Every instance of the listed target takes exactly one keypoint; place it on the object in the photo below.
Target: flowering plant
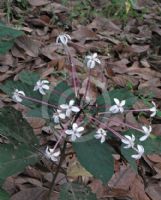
(82, 125)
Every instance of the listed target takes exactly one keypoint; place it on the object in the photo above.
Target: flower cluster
(65, 115)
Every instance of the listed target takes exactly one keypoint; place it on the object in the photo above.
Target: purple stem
(139, 110)
(74, 77)
(88, 84)
(110, 129)
(38, 101)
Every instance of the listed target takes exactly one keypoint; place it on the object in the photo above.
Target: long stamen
(139, 110)
(88, 84)
(37, 101)
(107, 127)
(74, 76)
(123, 123)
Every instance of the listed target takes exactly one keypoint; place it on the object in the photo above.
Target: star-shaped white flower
(17, 95)
(100, 134)
(63, 38)
(153, 109)
(42, 86)
(58, 115)
(140, 151)
(69, 108)
(147, 132)
(118, 107)
(75, 132)
(129, 141)
(52, 154)
(92, 60)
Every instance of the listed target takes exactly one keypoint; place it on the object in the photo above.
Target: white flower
(41, 86)
(140, 151)
(70, 108)
(58, 115)
(92, 60)
(118, 107)
(17, 95)
(51, 154)
(101, 134)
(129, 141)
(63, 38)
(153, 109)
(147, 132)
(75, 132)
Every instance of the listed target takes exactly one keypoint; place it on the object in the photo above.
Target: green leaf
(62, 93)
(75, 191)
(29, 77)
(7, 36)
(14, 126)
(14, 159)
(127, 154)
(8, 32)
(95, 158)
(4, 195)
(5, 46)
(159, 113)
(107, 98)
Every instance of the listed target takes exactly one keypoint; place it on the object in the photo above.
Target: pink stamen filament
(74, 76)
(37, 101)
(110, 129)
(123, 123)
(139, 110)
(88, 84)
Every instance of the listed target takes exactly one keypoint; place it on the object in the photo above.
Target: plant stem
(139, 110)
(38, 101)
(74, 77)
(57, 171)
(88, 84)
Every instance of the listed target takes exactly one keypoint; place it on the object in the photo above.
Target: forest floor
(128, 43)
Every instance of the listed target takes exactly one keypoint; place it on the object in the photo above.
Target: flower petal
(46, 87)
(69, 132)
(80, 129)
(68, 112)
(117, 101)
(71, 102)
(136, 156)
(42, 91)
(64, 106)
(114, 109)
(143, 138)
(75, 109)
(74, 126)
(73, 137)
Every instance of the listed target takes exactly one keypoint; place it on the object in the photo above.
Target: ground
(127, 41)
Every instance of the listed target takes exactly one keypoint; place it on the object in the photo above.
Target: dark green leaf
(14, 126)
(62, 93)
(9, 33)
(96, 158)
(74, 191)
(14, 159)
(4, 195)
(29, 77)
(7, 36)
(5, 46)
